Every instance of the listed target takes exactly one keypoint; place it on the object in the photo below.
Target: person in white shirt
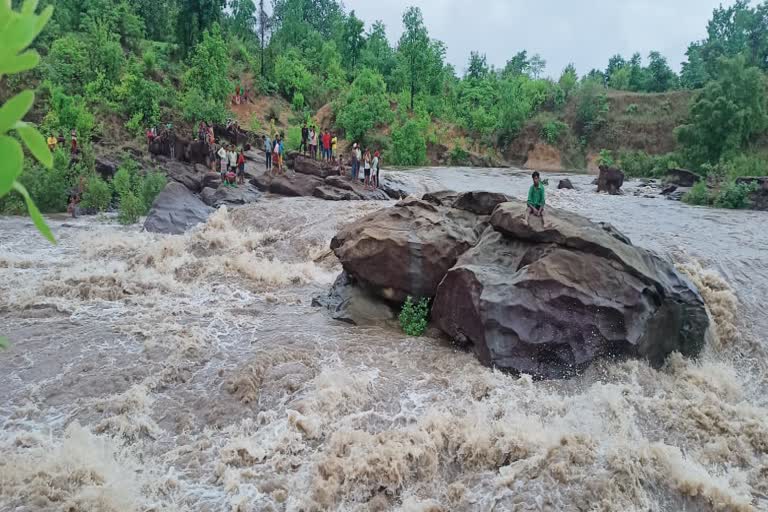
(223, 160)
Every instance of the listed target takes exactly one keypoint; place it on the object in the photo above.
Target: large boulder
(191, 176)
(300, 185)
(610, 180)
(399, 186)
(681, 177)
(441, 197)
(175, 210)
(230, 196)
(549, 300)
(406, 250)
(305, 165)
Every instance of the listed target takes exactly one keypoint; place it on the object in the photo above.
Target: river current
(191, 373)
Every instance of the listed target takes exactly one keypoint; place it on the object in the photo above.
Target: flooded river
(175, 373)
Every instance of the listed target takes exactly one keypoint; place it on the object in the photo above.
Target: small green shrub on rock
(413, 316)
(553, 130)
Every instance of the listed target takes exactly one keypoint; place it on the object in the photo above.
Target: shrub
(150, 186)
(747, 165)
(641, 164)
(592, 109)
(734, 195)
(255, 125)
(291, 74)
(553, 130)
(409, 146)
(458, 155)
(293, 138)
(97, 194)
(632, 108)
(131, 208)
(298, 102)
(195, 108)
(698, 195)
(605, 158)
(413, 316)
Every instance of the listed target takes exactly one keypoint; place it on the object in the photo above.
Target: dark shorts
(367, 173)
(241, 169)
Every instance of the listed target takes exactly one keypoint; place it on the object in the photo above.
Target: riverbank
(173, 372)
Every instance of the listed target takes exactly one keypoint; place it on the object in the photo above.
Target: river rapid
(191, 373)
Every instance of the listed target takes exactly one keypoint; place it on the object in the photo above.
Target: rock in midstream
(547, 300)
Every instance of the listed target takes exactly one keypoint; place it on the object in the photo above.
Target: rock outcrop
(230, 196)
(759, 196)
(545, 300)
(175, 210)
(332, 188)
(406, 250)
(681, 177)
(610, 180)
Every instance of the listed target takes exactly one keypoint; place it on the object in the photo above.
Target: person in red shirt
(241, 167)
(327, 145)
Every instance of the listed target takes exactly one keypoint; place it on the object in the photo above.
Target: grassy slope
(648, 127)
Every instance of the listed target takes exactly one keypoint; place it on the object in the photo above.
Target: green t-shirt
(536, 196)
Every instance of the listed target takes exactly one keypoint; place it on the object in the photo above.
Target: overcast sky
(584, 32)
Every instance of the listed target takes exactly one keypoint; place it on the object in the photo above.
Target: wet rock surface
(175, 210)
(541, 299)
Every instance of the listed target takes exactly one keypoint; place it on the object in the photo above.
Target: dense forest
(112, 68)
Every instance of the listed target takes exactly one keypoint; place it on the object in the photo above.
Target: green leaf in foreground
(35, 143)
(12, 163)
(3, 343)
(34, 213)
(14, 109)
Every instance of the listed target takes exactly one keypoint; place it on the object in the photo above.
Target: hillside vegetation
(110, 69)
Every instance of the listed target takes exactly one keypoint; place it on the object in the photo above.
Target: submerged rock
(541, 299)
(349, 302)
(610, 180)
(175, 210)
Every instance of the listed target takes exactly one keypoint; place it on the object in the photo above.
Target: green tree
(568, 79)
(517, 65)
(727, 113)
(363, 106)
(209, 66)
(413, 49)
(353, 41)
(536, 66)
(661, 78)
(243, 18)
(693, 74)
(291, 75)
(377, 53)
(619, 79)
(477, 69)
(67, 63)
(194, 18)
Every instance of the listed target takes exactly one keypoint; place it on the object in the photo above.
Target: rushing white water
(191, 373)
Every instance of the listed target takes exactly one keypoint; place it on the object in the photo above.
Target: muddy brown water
(192, 373)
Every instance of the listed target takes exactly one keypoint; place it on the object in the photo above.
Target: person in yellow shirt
(334, 140)
(52, 142)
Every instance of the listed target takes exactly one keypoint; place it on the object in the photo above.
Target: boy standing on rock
(536, 199)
